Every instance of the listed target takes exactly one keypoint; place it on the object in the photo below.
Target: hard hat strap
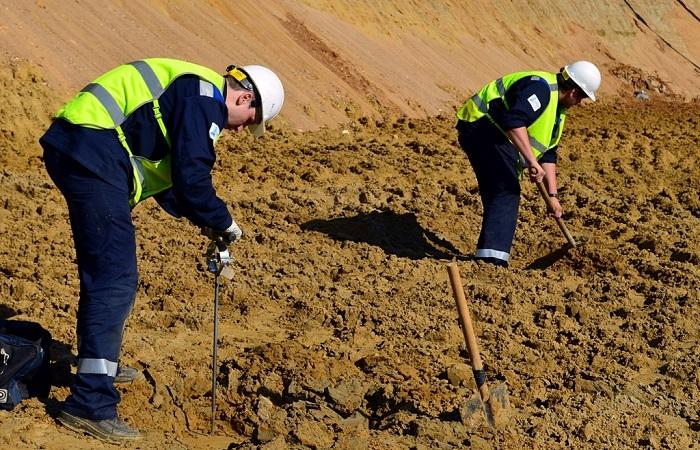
(242, 78)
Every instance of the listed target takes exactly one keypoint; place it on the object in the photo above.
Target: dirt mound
(343, 60)
(640, 80)
(339, 330)
(26, 105)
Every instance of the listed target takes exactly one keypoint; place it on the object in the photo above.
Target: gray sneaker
(127, 374)
(113, 431)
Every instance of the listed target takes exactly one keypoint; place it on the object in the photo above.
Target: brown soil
(339, 329)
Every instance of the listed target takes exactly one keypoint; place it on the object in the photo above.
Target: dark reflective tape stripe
(149, 77)
(97, 366)
(106, 99)
(500, 87)
(480, 104)
(553, 87)
(537, 145)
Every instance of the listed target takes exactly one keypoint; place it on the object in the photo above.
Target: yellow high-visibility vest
(109, 100)
(541, 130)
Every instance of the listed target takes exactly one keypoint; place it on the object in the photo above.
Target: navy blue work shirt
(193, 121)
(527, 99)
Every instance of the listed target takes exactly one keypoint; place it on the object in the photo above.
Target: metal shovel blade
(495, 408)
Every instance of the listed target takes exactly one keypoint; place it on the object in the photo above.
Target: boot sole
(130, 380)
(80, 425)
(134, 375)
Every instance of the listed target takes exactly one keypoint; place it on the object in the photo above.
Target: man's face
(573, 97)
(240, 112)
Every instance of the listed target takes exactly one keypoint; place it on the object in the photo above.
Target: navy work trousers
(103, 233)
(494, 160)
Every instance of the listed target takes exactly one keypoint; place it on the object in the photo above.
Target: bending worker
(143, 129)
(513, 124)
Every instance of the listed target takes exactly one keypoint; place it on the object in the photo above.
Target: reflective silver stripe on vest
(107, 101)
(490, 253)
(537, 145)
(480, 104)
(149, 77)
(500, 87)
(553, 87)
(136, 163)
(97, 366)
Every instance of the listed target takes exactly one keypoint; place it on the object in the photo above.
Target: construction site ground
(339, 329)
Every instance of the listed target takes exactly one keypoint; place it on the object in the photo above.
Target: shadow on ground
(396, 234)
(550, 259)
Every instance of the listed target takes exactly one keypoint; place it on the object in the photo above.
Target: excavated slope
(342, 60)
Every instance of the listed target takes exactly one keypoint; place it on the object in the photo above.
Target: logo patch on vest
(534, 102)
(206, 89)
(214, 131)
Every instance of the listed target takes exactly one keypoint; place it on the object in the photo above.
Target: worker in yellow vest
(144, 129)
(511, 125)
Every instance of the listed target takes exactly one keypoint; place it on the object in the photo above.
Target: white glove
(234, 231)
(229, 235)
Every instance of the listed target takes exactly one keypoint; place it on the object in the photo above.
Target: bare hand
(556, 210)
(535, 172)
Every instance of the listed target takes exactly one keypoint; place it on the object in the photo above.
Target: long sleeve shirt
(526, 99)
(193, 121)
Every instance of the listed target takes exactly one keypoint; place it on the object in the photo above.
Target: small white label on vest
(206, 89)
(534, 102)
(214, 131)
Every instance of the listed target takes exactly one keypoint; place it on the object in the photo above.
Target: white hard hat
(269, 95)
(585, 74)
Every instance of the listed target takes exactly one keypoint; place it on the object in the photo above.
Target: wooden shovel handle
(468, 330)
(560, 222)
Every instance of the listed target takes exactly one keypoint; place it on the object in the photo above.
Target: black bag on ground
(24, 362)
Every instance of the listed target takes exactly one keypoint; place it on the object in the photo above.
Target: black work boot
(113, 431)
(127, 374)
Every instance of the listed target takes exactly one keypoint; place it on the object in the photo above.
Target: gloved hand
(229, 235)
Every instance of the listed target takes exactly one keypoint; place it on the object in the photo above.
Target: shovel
(494, 402)
(560, 222)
